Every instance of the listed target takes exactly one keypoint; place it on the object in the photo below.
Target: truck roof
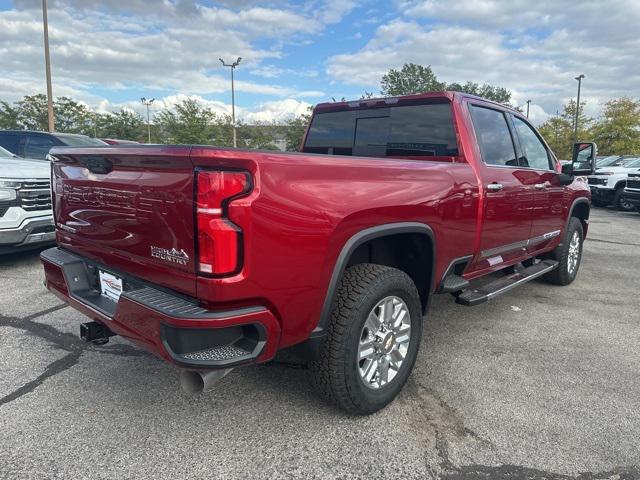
(417, 98)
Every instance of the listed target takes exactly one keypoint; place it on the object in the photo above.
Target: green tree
(295, 130)
(124, 124)
(188, 122)
(32, 112)
(497, 94)
(618, 132)
(558, 130)
(260, 135)
(8, 116)
(411, 78)
(73, 117)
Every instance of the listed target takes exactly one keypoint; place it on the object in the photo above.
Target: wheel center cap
(388, 342)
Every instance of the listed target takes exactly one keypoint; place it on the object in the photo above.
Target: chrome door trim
(491, 252)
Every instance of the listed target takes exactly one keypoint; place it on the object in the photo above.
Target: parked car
(607, 184)
(117, 141)
(608, 161)
(213, 258)
(632, 190)
(26, 219)
(36, 144)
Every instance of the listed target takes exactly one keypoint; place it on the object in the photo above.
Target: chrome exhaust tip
(196, 382)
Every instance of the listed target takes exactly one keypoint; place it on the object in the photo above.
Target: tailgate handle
(98, 164)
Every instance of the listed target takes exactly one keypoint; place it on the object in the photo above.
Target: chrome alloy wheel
(384, 342)
(574, 253)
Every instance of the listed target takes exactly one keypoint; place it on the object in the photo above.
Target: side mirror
(584, 159)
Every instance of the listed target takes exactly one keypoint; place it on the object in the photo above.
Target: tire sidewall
(574, 226)
(394, 284)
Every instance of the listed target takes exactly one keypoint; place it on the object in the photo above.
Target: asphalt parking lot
(541, 383)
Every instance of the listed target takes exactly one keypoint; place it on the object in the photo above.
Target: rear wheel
(373, 339)
(568, 254)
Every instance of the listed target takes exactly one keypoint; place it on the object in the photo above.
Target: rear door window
(494, 136)
(405, 131)
(38, 146)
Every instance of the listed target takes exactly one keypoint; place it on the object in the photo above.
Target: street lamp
(528, 102)
(232, 66)
(47, 64)
(575, 123)
(147, 103)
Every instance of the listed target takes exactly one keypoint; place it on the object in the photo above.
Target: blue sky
(109, 53)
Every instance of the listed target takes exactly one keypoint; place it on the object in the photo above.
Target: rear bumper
(164, 323)
(632, 196)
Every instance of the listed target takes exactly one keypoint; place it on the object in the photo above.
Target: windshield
(6, 153)
(80, 141)
(607, 161)
(632, 162)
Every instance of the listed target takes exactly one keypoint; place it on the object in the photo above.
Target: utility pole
(147, 103)
(47, 64)
(575, 123)
(233, 66)
(528, 102)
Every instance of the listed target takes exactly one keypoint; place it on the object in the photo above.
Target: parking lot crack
(65, 341)
(613, 243)
(52, 369)
(512, 472)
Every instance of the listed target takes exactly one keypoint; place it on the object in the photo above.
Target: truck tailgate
(129, 209)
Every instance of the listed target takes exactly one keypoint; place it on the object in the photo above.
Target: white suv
(26, 218)
(607, 185)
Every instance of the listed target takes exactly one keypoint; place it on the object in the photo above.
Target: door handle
(495, 187)
(540, 186)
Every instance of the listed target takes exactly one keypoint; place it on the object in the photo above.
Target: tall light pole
(47, 65)
(233, 66)
(575, 123)
(528, 102)
(147, 102)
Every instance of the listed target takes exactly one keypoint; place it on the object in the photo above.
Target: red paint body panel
(300, 214)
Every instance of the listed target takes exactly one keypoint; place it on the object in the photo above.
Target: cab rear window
(403, 131)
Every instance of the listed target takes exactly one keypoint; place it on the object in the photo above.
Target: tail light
(219, 239)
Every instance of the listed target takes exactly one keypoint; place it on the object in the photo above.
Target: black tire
(336, 373)
(563, 274)
(620, 202)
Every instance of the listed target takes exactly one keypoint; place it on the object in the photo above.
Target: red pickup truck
(212, 258)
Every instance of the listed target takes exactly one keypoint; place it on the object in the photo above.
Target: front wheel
(568, 254)
(372, 339)
(621, 202)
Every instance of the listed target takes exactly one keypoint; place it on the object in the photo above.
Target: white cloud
(174, 46)
(535, 50)
(277, 111)
(274, 111)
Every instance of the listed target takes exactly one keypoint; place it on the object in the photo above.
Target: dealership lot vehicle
(26, 219)
(608, 161)
(214, 258)
(118, 141)
(36, 144)
(540, 384)
(607, 184)
(632, 190)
